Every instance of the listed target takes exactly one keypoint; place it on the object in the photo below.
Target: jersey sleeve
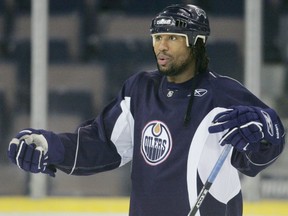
(251, 163)
(230, 92)
(103, 143)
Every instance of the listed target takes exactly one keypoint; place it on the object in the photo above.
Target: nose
(163, 45)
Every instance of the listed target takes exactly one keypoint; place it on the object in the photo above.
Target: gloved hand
(36, 151)
(247, 126)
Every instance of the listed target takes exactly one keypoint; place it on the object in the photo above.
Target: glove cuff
(56, 149)
(272, 126)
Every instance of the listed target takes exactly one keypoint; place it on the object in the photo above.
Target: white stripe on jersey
(227, 77)
(123, 132)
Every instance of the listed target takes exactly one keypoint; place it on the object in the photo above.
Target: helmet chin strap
(194, 85)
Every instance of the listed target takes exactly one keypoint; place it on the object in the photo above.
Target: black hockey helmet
(189, 20)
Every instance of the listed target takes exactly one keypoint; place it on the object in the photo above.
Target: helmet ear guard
(179, 19)
(198, 37)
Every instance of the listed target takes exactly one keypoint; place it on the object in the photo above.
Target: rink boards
(88, 206)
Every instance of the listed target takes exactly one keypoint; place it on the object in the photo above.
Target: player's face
(174, 57)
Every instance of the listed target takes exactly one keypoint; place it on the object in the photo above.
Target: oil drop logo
(156, 143)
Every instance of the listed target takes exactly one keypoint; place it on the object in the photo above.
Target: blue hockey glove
(247, 126)
(36, 151)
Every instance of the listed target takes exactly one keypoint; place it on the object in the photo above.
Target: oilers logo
(156, 142)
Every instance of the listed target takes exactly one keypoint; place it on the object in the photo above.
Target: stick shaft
(219, 163)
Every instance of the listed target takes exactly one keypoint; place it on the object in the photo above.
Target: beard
(175, 69)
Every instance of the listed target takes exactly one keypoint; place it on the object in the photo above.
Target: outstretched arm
(98, 145)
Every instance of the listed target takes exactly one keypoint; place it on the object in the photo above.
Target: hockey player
(172, 123)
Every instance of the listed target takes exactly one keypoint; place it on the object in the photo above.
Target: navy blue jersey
(170, 161)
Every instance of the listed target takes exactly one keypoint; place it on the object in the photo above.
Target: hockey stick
(210, 179)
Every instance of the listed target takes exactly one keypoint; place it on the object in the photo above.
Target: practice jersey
(170, 160)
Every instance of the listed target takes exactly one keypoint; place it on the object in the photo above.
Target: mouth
(163, 59)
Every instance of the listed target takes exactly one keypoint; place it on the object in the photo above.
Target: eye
(157, 37)
(172, 37)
